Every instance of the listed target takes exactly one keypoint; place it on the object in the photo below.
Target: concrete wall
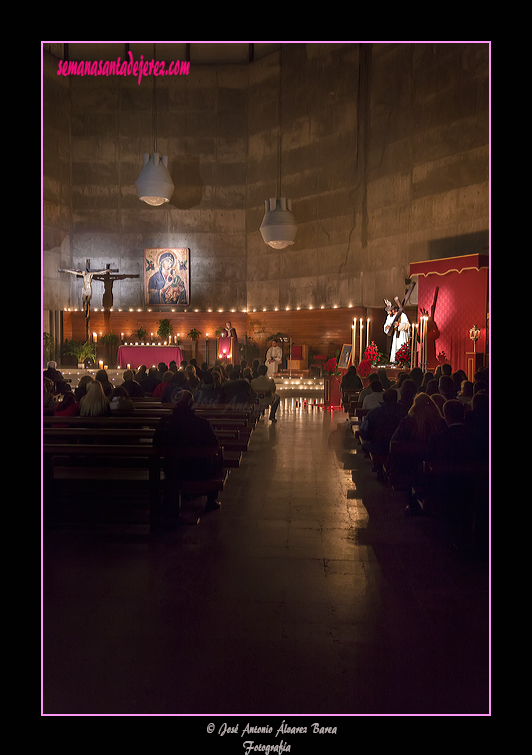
(384, 153)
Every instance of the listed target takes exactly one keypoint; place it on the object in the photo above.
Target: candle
(361, 333)
(412, 331)
(129, 366)
(367, 332)
(354, 339)
(94, 337)
(100, 364)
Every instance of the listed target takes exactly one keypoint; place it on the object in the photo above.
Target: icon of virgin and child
(166, 273)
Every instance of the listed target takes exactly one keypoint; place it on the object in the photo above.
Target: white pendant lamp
(278, 228)
(154, 184)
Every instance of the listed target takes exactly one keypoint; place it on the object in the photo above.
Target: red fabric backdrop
(462, 302)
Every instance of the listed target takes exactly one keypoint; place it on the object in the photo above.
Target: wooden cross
(87, 276)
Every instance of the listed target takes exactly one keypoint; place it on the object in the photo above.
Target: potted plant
(194, 335)
(140, 333)
(48, 346)
(110, 343)
(83, 351)
(165, 329)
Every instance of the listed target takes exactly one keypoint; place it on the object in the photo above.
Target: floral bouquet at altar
(364, 368)
(402, 355)
(373, 355)
(331, 367)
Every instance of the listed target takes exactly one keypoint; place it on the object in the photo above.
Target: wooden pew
(112, 430)
(95, 460)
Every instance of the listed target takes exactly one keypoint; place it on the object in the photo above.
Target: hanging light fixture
(278, 228)
(154, 184)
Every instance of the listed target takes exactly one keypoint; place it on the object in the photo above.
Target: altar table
(135, 356)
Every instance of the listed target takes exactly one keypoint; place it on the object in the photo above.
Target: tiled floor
(309, 592)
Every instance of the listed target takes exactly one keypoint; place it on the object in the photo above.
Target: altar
(150, 356)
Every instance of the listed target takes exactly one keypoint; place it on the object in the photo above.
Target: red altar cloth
(147, 355)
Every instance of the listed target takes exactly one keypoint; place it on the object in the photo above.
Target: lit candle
(367, 332)
(129, 366)
(361, 334)
(354, 339)
(100, 364)
(95, 337)
(412, 347)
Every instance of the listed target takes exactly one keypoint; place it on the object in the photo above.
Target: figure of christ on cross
(86, 293)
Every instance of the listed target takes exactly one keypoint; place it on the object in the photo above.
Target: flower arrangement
(364, 368)
(331, 367)
(373, 355)
(402, 355)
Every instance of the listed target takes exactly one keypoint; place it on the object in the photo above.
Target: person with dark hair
(132, 387)
(408, 391)
(207, 392)
(101, 377)
(383, 377)
(446, 388)
(427, 377)
(120, 402)
(416, 375)
(178, 382)
(184, 429)
(379, 425)
(478, 418)
(351, 381)
(236, 389)
(149, 383)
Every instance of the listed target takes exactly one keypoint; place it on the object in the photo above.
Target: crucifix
(107, 279)
(87, 276)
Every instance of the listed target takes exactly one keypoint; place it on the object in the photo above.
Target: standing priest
(274, 356)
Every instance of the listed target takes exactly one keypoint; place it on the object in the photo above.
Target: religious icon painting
(167, 277)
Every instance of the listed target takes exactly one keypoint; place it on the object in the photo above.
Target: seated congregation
(428, 435)
(193, 424)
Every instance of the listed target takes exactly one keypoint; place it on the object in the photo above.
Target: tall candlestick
(361, 333)
(367, 332)
(354, 340)
(412, 330)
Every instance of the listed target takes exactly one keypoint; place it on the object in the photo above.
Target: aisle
(302, 595)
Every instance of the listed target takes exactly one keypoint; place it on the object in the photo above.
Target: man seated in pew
(133, 387)
(236, 390)
(264, 383)
(207, 392)
(184, 429)
(379, 425)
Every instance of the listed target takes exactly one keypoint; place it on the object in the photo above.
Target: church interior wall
(384, 156)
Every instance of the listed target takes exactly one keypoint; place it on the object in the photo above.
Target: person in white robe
(400, 333)
(274, 356)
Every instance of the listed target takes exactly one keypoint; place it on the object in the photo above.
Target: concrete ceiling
(197, 52)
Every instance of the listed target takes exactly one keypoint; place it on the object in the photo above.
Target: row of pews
(465, 510)
(83, 457)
